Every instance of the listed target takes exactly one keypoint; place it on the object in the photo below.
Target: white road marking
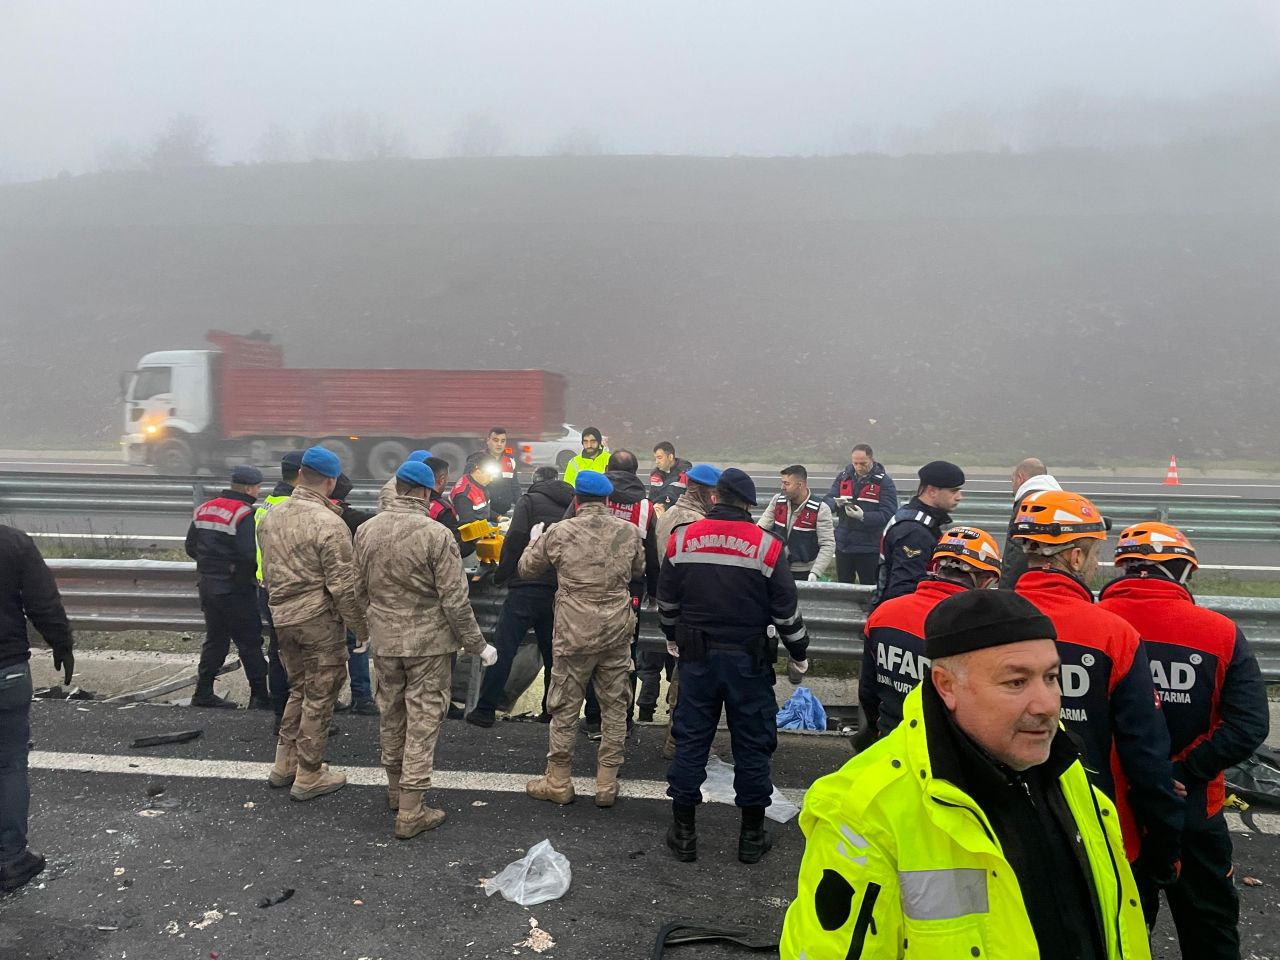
(481, 782)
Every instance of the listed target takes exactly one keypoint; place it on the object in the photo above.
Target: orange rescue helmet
(1058, 517)
(1154, 542)
(969, 545)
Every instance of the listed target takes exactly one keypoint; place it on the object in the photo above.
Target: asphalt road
(179, 874)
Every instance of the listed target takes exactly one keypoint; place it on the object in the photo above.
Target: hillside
(1090, 306)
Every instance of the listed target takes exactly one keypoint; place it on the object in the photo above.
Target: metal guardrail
(114, 595)
(1216, 518)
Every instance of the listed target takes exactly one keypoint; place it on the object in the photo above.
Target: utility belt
(695, 644)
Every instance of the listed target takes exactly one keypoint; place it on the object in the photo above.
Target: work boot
(754, 840)
(316, 783)
(555, 785)
(682, 835)
(393, 789)
(205, 697)
(259, 698)
(285, 769)
(606, 786)
(365, 708)
(414, 818)
(481, 718)
(25, 868)
(646, 714)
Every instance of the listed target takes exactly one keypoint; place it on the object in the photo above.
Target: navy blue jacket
(27, 590)
(907, 548)
(876, 494)
(544, 503)
(221, 540)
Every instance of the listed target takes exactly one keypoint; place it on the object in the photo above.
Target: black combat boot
(754, 840)
(259, 698)
(205, 697)
(682, 835)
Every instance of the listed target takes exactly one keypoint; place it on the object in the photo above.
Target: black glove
(65, 661)
(1157, 864)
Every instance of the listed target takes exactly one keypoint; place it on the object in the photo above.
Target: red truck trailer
(239, 403)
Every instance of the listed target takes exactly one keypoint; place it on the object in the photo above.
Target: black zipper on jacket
(1115, 869)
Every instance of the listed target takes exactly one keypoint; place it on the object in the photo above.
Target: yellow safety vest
(908, 864)
(597, 463)
(258, 514)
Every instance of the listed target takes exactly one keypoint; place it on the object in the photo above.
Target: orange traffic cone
(1171, 478)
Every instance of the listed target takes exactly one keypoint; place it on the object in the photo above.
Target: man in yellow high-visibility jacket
(594, 455)
(971, 830)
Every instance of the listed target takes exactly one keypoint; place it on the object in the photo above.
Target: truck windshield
(152, 381)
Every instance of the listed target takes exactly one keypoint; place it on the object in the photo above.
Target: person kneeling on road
(595, 556)
(410, 585)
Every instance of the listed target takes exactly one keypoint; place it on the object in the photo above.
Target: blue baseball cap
(592, 484)
(417, 473)
(704, 474)
(738, 483)
(246, 474)
(322, 461)
(418, 456)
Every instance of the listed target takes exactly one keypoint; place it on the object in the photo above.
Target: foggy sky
(721, 78)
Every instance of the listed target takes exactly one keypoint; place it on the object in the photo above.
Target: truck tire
(454, 453)
(384, 457)
(175, 458)
(343, 451)
(563, 458)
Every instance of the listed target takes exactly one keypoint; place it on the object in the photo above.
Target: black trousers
(864, 566)
(1204, 903)
(277, 679)
(529, 607)
(231, 617)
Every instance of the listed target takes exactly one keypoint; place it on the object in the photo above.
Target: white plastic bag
(541, 875)
(718, 788)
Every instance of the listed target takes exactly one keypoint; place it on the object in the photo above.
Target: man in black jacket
(27, 590)
(222, 543)
(668, 479)
(909, 539)
(530, 604)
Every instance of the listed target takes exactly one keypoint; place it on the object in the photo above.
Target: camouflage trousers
(314, 655)
(413, 698)
(609, 672)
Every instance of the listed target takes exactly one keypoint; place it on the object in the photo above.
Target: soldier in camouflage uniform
(306, 569)
(388, 491)
(595, 556)
(410, 584)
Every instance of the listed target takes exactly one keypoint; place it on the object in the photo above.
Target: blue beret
(592, 484)
(705, 474)
(417, 473)
(738, 483)
(940, 473)
(418, 456)
(322, 461)
(292, 459)
(246, 474)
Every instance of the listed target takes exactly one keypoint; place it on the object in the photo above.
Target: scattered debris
(113, 831)
(160, 739)
(209, 918)
(636, 854)
(118, 872)
(1251, 882)
(539, 941)
(357, 903)
(155, 789)
(106, 929)
(478, 803)
(58, 693)
(150, 812)
(264, 902)
(249, 805)
(171, 927)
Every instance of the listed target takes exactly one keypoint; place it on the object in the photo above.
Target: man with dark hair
(470, 495)
(221, 541)
(530, 603)
(277, 679)
(440, 509)
(804, 524)
(668, 478)
(594, 455)
(862, 498)
(504, 490)
(909, 539)
(30, 593)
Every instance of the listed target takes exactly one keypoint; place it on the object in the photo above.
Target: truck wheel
(452, 452)
(384, 457)
(174, 458)
(342, 450)
(563, 458)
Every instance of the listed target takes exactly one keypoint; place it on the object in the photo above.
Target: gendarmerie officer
(909, 539)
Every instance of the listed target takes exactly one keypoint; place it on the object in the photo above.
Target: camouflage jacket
(596, 556)
(306, 562)
(410, 584)
(685, 510)
(387, 494)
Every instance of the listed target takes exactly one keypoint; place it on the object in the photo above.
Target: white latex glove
(799, 666)
(504, 524)
(489, 655)
(536, 531)
(362, 646)
(673, 649)
(813, 577)
(853, 511)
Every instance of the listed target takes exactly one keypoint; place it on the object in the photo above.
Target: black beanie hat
(977, 619)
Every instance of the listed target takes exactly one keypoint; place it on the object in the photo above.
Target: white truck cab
(170, 395)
